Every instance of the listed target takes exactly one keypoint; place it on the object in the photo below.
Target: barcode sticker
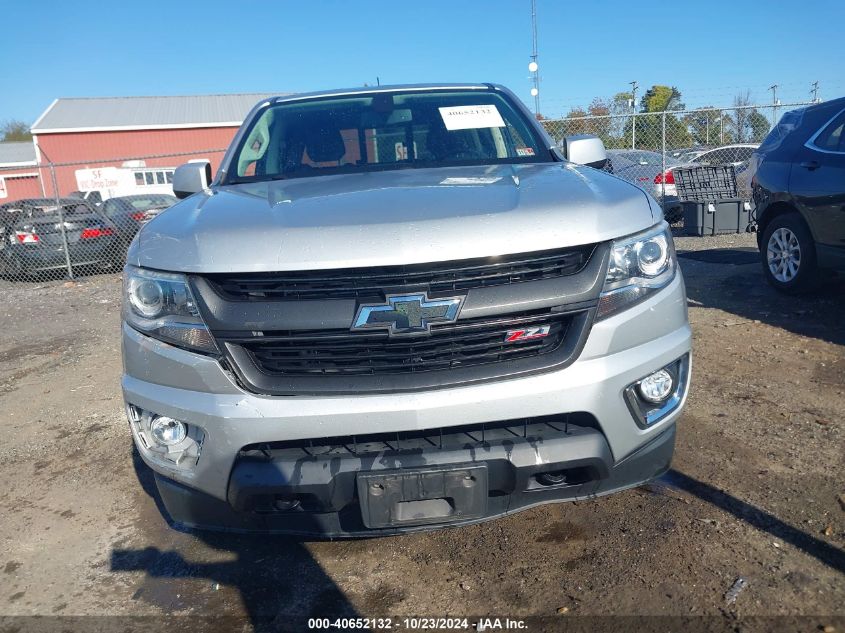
(471, 117)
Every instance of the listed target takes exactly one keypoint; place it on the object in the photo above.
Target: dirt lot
(756, 492)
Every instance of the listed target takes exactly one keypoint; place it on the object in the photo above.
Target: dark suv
(798, 192)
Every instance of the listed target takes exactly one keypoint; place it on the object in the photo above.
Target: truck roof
(387, 88)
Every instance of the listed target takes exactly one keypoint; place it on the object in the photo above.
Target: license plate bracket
(423, 496)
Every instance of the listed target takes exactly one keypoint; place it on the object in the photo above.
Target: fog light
(167, 431)
(283, 505)
(656, 387)
(553, 478)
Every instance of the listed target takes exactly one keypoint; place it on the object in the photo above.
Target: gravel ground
(746, 532)
(709, 242)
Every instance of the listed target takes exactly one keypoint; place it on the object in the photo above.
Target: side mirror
(585, 149)
(191, 178)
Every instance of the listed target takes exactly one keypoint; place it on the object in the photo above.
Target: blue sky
(710, 50)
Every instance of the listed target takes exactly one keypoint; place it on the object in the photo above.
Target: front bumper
(198, 390)
(512, 465)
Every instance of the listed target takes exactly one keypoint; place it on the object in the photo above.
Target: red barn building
(159, 132)
(18, 175)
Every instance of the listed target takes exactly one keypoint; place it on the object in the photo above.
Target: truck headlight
(639, 266)
(161, 305)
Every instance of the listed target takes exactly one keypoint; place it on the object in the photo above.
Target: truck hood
(391, 217)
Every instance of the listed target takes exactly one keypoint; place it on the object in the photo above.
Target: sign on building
(99, 179)
(3, 191)
(126, 180)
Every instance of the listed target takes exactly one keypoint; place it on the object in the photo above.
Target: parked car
(642, 167)
(31, 240)
(94, 197)
(130, 213)
(798, 196)
(686, 154)
(737, 155)
(399, 309)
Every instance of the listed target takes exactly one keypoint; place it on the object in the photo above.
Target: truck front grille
(466, 343)
(354, 283)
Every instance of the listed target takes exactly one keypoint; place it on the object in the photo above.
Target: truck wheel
(789, 255)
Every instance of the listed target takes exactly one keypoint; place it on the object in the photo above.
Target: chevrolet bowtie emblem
(407, 313)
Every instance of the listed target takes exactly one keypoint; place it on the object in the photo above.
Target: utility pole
(815, 91)
(634, 86)
(774, 89)
(533, 67)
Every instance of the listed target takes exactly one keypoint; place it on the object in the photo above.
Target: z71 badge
(527, 334)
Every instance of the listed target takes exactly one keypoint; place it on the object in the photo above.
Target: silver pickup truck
(397, 309)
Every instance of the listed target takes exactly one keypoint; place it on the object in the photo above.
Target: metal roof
(12, 154)
(89, 114)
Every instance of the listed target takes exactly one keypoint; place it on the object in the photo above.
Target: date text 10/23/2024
(420, 623)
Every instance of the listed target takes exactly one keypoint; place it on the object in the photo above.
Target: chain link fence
(72, 219)
(645, 148)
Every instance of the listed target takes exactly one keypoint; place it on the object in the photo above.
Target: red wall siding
(103, 149)
(17, 187)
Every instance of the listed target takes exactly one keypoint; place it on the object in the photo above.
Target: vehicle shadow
(824, 552)
(275, 578)
(742, 290)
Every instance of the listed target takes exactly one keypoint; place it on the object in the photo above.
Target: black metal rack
(710, 201)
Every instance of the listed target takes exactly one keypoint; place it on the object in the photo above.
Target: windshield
(384, 131)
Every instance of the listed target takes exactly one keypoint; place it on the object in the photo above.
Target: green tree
(574, 122)
(759, 125)
(726, 129)
(601, 124)
(649, 126)
(703, 126)
(13, 130)
(661, 98)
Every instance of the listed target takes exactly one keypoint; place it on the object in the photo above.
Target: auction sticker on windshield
(471, 117)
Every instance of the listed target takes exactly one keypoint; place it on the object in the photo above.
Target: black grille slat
(385, 343)
(458, 345)
(380, 356)
(358, 368)
(465, 436)
(355, 283)
(376, 352)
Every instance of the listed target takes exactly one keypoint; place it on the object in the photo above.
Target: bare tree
(740, 122)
